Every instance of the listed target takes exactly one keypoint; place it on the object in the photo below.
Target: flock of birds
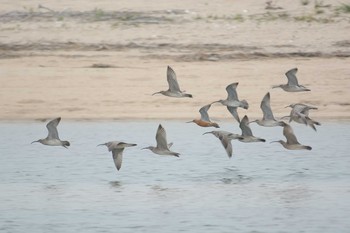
(299, 114)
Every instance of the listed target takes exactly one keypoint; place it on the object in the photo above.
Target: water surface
(262, 188)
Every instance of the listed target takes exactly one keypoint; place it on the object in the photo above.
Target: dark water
(263, 188)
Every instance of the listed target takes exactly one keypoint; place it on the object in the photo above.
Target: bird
(300, 114)
(268, 119)
(292, 142)
(162, 147)
(292, 85)
(205, 120)
(117, 149)
(174, 88)
(232, 102)
(52, 138)
(225, 139)
(247, 132)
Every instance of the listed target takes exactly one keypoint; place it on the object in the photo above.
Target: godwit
(232, 102)
(52, 138)
(300, 114)
(292, 142)
(225, 139)
(162, 147)
(117, 149)
(174, 88)
(292, 85)
(268, 119)
(205, 120)
(247, 132)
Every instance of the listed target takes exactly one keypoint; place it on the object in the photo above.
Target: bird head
(244, 104)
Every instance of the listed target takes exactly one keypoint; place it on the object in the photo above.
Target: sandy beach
(103, 60)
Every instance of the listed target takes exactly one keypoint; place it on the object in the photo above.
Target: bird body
(162, 147)
(268, 119)
(205, 120)
(292, 142)
(232, 102)
(247, 135)
(292, 85)
(52, 138)
(174, 88)
(117, 149)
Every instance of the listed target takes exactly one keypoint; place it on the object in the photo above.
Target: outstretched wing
(226, 142)
(244, 125)
(231, 91)
(266, 108)
(52, 128)
(172, 81)
(118, 157)
(161, 138)
(289, 134)
(204, 113)
(234, 113)
(292, 79)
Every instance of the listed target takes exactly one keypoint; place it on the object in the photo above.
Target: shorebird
(232, 102)
(117, 149)
(292, 85)
(205, 120)
(300, 114)
(225, 139)
(292, 142)
(268, 119)
(247, 132)
(52, 138)
(174, 88)
(162, 147)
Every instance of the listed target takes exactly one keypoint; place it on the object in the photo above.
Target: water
(263, 188)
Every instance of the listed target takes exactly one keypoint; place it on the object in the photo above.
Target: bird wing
(204, 113)
(289, 134)
(161, 138)
(231, 91)
(244, 125)
(292, 79)
(172, 81)
(234, 113)
(266, 108)
(226, 142)
(118, 157)
(52, 128)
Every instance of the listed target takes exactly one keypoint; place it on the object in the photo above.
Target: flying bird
(292, 85)
(292, 142)
(225, 139)
(300, 114)
(232, 102)
(174, 88)
(268, 119)
(247, 135)
(52, 138)
(205, 120)
(117, 149)
(162, 147)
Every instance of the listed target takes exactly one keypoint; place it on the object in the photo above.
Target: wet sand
(51, 60)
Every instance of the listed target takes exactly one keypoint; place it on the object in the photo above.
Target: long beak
(144, 148)
(103, 144)
(252, 121)
(206, 133)
(215, 102)
(284, 117)
(189, 121)
(34, 141)
(273, 141)
(156, 93)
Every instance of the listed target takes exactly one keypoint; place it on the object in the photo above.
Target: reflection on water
(262, 188)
